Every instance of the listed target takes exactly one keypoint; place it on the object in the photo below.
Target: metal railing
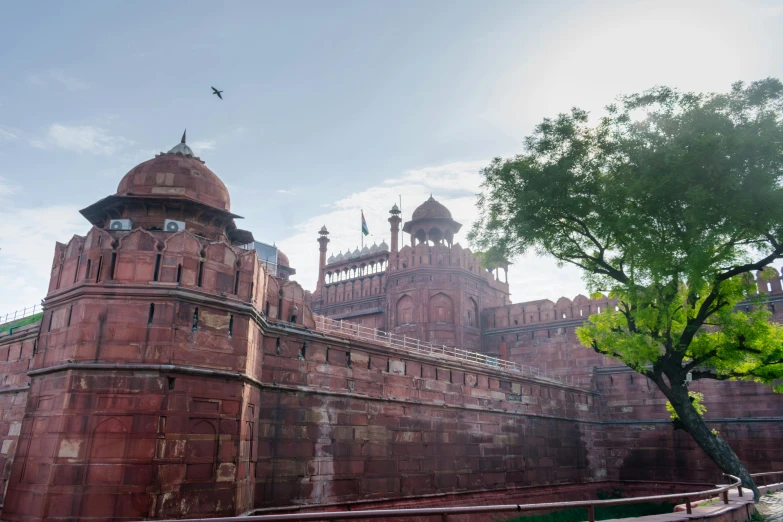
(20, 314)
(413, 345)
(445, 512)
(764, 478)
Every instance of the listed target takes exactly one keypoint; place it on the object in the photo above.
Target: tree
(671, 202)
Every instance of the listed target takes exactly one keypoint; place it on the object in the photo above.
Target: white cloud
(7, 135)
(60, 77)
(198, 146)
(455, 185)
(7, 188)
(284, 191)
(26, 248)
(82, 139)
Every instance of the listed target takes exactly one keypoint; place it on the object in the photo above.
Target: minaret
(322, 241)
(395, 227)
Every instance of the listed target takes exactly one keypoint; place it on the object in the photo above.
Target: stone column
(322, 241)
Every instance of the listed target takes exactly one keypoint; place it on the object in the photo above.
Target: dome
(365, 251)
(323, 231)
(330, 260)
(339, 256)
(431, 209)
(383, 247)
(355, 253)
(282, 259)
(373, 248)
(177, 173)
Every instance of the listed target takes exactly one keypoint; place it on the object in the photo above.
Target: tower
(438, 289)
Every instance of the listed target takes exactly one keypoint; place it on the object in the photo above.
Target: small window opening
(179, 273)
(769, 285)
(89, 267)
(195, 320)
(277, 346)
(236, 283)
(348, 359)
(252, 287)
(404, 265)
(580, 312)
(35, 346)
(200, 272)
(76, 272)
(516, 322)
(171, 381)
(49, 328)
(70, 312)
(151, 314)
(230, 324)
(280, 306)
(156, 275)
(113, 265)
(303, 351)
(266, 308)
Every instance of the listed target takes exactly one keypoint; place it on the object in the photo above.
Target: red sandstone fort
(178, 371)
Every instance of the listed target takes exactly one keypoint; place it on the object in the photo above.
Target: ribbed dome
(373, 248)
(330, 260)
(431, 209)
(383, 247)
(339, 256)
(365, 251)
(355, 253)
(176, 173)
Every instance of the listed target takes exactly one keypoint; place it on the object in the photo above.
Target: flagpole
(361, 232)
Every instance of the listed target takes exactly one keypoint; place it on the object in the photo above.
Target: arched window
(405, 310)
(441, 309)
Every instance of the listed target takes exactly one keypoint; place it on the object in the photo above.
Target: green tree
(671, 203)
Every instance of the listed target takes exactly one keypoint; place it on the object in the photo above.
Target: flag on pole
(365, 230)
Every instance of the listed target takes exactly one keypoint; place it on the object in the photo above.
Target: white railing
(412, 345)
(20, 314)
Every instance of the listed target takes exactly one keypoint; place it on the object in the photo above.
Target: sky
(329, 107)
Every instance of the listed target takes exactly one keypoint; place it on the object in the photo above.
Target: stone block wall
(342, 422)
(127, 445)
(17, 348)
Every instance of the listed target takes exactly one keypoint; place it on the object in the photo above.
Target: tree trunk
(716, 448)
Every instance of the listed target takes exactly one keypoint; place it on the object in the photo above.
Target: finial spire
(183, 136)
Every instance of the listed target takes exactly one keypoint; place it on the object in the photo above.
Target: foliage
(601, 513)
(21, 322)
(670, 203)
(697, 401)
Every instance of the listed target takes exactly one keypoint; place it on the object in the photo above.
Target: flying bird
(215, 91)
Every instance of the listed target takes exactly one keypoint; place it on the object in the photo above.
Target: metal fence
(444, 513)
(413, 345)
(20, 314)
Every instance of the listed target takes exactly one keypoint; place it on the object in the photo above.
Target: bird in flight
(215, 91)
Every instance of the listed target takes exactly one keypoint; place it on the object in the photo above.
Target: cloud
(6, 188)
(59, 77)
(26, 249)
(453, 184)
(7, 135)
(198, 146)
(82, 139)
(284, 191)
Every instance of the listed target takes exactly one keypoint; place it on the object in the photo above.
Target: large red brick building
(178, 372)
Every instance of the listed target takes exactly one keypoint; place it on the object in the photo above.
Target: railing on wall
(413, 345)
(446, 512)
(20, 314)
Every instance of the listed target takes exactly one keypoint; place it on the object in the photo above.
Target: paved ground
(771, 506)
